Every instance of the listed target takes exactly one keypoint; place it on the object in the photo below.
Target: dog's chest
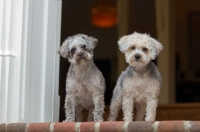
(137, 81)
(139, 87)
(82, 89)
(83, 94)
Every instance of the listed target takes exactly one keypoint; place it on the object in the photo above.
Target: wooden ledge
(117, 126)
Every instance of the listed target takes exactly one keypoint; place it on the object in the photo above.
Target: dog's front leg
(127, 107)
(141, 111)
(151, 109)
(98, 107)
(90, 114)
(70, 108)
(78, 113)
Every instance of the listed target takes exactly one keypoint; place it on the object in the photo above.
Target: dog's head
(78, 49)
(139, 49)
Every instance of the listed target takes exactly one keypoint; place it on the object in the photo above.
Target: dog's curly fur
(140, 83)
(85, 84)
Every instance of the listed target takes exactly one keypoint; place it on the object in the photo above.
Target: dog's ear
(123, 43)
(156, 48)
(94, 41)
(64, 49)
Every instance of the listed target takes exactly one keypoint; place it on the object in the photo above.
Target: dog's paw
(148, 118)
(98, 119)
(111, 119)
(69, 120)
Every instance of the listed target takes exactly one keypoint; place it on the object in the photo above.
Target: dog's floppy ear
(94, 41)
(156, 48)
(123, 43)
(64, 49)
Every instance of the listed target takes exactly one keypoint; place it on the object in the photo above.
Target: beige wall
(181, 15)
(166, 60)
(172, 31)
(122, 30)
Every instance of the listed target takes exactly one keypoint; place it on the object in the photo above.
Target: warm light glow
(104, 15)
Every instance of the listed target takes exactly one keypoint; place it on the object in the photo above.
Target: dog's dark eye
(73, 50)
(133, 48)
(83, 47)
(144, 49)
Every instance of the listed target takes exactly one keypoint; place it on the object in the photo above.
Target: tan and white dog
(139, 85)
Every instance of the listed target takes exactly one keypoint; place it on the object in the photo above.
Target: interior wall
(166, 59)
(187, 34)
(182, 31)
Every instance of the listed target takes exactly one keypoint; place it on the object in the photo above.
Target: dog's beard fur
(140, 64)
(81, 60)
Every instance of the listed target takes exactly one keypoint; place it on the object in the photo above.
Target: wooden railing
(119, 126)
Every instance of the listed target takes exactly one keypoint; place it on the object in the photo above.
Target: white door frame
(29, 64)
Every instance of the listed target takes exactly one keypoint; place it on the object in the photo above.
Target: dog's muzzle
(81, 56)
(137, 56)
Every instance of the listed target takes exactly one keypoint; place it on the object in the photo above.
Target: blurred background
(175, 23)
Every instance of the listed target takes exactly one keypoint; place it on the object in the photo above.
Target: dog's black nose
(80, 54)
(137, 56)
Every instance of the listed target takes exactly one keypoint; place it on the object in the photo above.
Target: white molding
(57, 62)
(45, 39)
(29, 65)
(7, 53)
(10, 57)
(25, 61)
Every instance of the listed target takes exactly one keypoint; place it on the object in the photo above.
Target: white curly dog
(139, 85)
(85, 84)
